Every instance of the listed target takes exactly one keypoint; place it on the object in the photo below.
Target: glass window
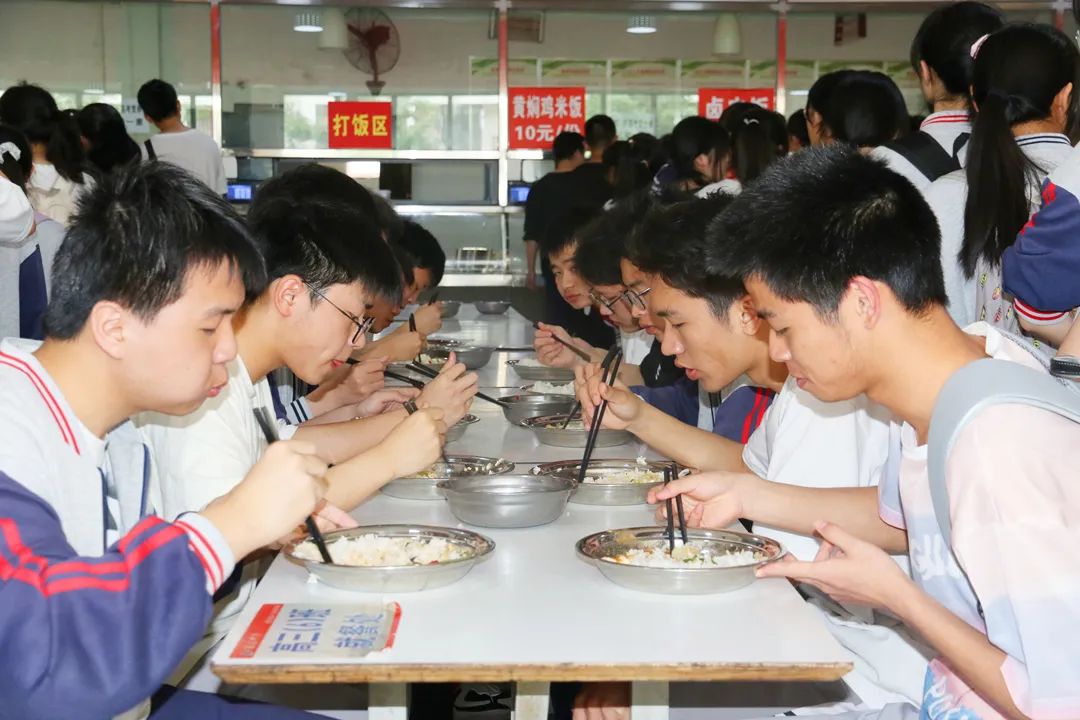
(421, 122)
(475, 122)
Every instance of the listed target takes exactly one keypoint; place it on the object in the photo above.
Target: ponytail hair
(16, 159)
(33, 110)
(1018, 72)
(759, 140)
(694, 136)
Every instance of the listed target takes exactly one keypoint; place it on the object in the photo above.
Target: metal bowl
(507, 501)
(450, 308)
(530, 372)
(472, 356)
(436, 343)
(423, 488)
(492, 307)
(601, 493)
(455, 431)
(398, 578)
(531, 388)
(522, 407)
(572, 437)
(676, 581)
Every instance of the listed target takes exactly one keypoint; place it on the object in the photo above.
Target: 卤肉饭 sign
(712, 102)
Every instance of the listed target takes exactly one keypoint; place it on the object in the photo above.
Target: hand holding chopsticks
(430, 373)
(574, 349)
(604, 365)
(671, 472)
(269, 430)
(611, 370)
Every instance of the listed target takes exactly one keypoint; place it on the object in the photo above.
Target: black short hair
(321, 239)
(695, 136)
(604, 240)
(386, 217)
(134, 238)
(796, 127)
(599, 131)
(819, 218)
(567, 144)
(866, 109)
(944, 41)
(424, 249)
(672, 242)
(563, 230)
(158, 99)
(820, 94)
(314, 180)
(406, 265)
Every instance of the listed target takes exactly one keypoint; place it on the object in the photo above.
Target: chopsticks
(269, 430)
(433, 299)
(576, 350)
(611, 371)
(428, 372)
(412, 322)
(671, 472)
(603, 369)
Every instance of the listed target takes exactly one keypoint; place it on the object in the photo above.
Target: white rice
(573, 425)
(547, 388)
(627, 477)
(692, 555)
(380, 551)
(530, 362)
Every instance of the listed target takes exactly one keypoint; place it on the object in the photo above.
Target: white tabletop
(509, 330)
(535, 611)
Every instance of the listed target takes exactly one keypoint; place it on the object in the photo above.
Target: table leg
(388, 701)
(649, 701)
(531, 701)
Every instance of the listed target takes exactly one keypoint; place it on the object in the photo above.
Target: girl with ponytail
(1023, 99)
(54, 137)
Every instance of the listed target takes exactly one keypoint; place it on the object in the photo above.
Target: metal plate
(507, 501)
(604, 493)
(681, 581)
(423, 488)
(572, 438)
(551, 374)
(402, 578)
(523, 407)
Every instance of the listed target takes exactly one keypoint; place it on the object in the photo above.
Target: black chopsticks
(610, 370)
(269, 430)
(404, 378)
(576, 350)
(428, 372)
(603, 369)
(412, 322)
(433, 299)
(671, 472)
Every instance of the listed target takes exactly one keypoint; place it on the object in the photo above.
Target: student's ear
(286, 292)
(1059, 109)
(864, 297)
(746, 318)
(108, 322)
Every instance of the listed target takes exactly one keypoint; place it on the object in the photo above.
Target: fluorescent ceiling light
(641, 24)
(308, 22)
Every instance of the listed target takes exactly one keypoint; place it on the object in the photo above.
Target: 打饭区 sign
(367, 125)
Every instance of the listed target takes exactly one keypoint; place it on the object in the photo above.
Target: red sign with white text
(367, 125)
(538, 114)
(712, 102)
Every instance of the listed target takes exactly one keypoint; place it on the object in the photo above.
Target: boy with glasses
(324, 261)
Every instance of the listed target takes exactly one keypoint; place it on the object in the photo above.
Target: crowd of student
(807, 310)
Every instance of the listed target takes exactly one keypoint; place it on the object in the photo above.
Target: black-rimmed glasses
(363, 324)
(636, 299)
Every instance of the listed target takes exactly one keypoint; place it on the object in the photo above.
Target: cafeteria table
(533, 612)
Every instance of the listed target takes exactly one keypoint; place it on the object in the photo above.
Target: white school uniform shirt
(731, 186)
(194, 151)
(54, 195)
(203, 456)
(635, 346)
(944, 127)
(805, 441)
(981, 298)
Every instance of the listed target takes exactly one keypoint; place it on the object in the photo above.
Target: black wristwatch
(410, 406)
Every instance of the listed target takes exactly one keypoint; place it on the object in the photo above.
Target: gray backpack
(971, 389)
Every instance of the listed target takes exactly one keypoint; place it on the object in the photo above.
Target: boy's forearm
(338, 442)
(354, 481)
(630, 375)
(688, 445)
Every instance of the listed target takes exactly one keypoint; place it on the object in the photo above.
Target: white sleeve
(198, 458)
(947, 197)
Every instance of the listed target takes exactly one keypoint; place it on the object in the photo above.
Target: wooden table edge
(568, 672)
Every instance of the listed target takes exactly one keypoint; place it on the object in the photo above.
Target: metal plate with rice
(548, 431)
(540, 372)
(423, 486)
(396, 578)
(595, 491)
(679, 580)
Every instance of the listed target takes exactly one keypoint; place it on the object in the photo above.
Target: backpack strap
(924, 152)
(150, 150)
(969, 391)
